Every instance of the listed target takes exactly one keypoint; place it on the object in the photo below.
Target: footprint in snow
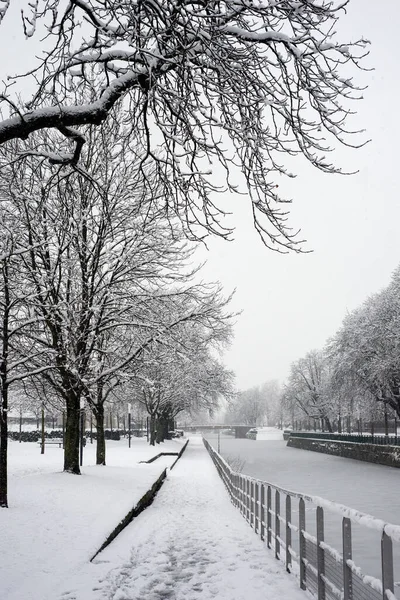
(120, 595)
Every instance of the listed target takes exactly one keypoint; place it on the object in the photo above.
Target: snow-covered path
(191, 544)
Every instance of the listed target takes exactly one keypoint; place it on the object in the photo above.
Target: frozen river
(374, 489)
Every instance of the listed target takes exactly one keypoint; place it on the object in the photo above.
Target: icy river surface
(370, 488)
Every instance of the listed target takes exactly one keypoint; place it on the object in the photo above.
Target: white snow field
(56, 521)
(190, 544)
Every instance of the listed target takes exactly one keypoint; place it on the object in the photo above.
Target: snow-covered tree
(271, 391)
(307, 387)
(15, 320)
(101, 260)
(258, 405)
(365, 350)
(252, 407)
(179, 370)
(202, 83)
(7, 308)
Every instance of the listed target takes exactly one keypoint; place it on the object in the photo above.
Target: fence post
(269, 520)
(386, 421)
(288, 533)
(277, 523)
(262, 512)
(347, 555)
(251, 503)
(302, 543)
(320, 553)
(387, 564)
(256, 508)
(244, 496)
(247, 499)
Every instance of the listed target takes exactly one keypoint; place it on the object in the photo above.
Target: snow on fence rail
(321, 569)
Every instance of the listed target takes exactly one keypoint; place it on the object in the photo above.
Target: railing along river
(279, 517)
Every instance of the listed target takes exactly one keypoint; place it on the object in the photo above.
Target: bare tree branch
(240, 85)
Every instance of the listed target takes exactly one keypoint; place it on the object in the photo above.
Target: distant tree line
(355, 378)
(256, 406)
(357, 374)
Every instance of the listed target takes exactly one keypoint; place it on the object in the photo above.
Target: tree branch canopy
(236, 84)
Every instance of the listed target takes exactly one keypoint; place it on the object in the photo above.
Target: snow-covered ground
(57, 521)
(190, 544)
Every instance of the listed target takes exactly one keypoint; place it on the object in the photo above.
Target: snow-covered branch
(236, 85)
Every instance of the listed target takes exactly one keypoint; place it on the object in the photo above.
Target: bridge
(240, 430)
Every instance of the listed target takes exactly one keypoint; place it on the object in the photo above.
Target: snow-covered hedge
(36, 435)
(33, 436)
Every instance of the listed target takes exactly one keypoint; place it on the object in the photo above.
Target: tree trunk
(159, 428)
(43, 439)
(152, 430)
(328, 425)
(162, 428)
(3, 449)
(101, 440)
(71, 451)
(4, 390)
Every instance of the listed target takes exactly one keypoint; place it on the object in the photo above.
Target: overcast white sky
(293, 303)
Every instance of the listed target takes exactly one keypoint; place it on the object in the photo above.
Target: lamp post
(20, 424)
(386, 421)
(129, 424)
(43, 435)
(82, 430)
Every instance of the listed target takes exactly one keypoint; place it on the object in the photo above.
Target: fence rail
(279, 517)
(380, 440)
(347, 424)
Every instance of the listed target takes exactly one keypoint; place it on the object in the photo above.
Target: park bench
(59, 442)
